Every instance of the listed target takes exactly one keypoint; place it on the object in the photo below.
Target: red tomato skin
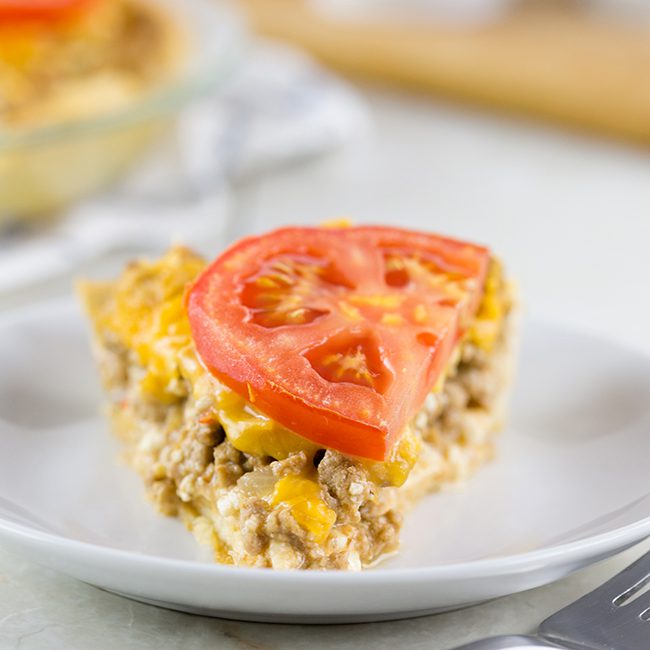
(40, 10)
(350, 419)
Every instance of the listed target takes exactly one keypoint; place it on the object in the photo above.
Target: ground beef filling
(190, 467)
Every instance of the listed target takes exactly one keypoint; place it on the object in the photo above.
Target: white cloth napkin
(279, 108)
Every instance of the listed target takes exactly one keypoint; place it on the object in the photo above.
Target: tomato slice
(338, 334)
(16, 10)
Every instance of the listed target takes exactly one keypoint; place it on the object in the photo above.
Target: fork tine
(595, 621)
(621, 582)
(634, 610)
(627, 579)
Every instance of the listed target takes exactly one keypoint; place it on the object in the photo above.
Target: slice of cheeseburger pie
(292, 399)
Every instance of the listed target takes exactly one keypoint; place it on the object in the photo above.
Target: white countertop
(571, 217)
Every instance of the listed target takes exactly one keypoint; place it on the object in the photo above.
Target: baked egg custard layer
(259, 482)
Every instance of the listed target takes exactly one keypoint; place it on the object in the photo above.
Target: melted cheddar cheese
(486, 326)
(303, 497)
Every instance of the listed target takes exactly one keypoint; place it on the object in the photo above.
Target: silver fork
(612, 617)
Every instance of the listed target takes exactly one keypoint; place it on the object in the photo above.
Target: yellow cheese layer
(145, 312)
(486, 326)
(303, 497)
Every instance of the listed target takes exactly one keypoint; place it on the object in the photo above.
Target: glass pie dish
(48, 165)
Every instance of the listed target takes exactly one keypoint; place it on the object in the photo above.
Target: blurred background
(126, 125)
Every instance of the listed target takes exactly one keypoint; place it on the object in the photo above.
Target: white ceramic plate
(570, 486)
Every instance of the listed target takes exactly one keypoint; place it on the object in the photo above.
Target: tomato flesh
(19, 10)
(338, 334)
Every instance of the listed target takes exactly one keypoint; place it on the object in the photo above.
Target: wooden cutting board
(549, 59)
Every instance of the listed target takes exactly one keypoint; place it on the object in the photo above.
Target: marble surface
(568, 213)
